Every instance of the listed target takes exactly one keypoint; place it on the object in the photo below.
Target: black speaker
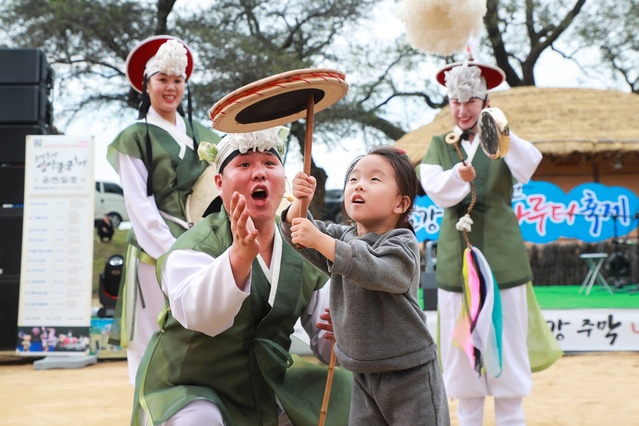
(9, 294)
(429, 289)
(11, 220)
(27, 104)
(12, 188)
(25, 66)
(13, 141)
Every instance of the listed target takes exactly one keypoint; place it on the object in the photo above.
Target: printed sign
(586, 330)
(54, 313)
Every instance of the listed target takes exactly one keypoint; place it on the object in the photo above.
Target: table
(594, 262)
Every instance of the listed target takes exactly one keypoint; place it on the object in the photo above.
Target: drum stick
(308, 142)
(327, 390)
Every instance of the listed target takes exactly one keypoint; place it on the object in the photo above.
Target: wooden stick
(308, 142)
(329, 384)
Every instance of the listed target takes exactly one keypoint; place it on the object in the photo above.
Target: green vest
(495, 231)
(241, 369)
(172, 178)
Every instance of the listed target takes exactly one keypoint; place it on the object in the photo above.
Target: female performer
(156, 159)
(495, 232)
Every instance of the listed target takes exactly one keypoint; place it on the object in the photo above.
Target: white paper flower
(172, 58)
(262, 140)
(465, 82)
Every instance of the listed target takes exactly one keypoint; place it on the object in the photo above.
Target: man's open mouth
(259, 194)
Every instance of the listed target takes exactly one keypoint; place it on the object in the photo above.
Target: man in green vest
(452, 163)
(233, 294)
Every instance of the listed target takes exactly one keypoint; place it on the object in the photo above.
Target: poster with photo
(54, 313)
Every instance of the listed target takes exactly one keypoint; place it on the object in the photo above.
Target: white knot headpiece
(465, 82)
(233, 144)
(170, 59)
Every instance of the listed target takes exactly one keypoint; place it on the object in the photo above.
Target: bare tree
(236, 43)
(542, 22)
(613, 27)
(240, 41)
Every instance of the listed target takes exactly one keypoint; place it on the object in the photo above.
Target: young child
(380, 330)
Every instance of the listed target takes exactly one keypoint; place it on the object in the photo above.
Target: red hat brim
(494, 76)
(145, 50)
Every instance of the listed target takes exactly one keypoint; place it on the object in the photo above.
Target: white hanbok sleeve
(320, 346)
(201, 290)
(445, 188)
(522, 158)
(151, 231)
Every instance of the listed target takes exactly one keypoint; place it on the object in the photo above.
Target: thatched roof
(562, 123)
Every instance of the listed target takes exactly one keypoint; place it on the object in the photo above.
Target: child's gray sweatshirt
(377, 320)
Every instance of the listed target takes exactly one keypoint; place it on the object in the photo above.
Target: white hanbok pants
(204, 412)
(464, 383)
(146, 318)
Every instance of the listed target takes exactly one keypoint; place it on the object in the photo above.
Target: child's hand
(304, 186)
(304, 232)
(328, 325)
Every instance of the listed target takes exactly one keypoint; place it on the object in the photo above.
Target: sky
(551, 71)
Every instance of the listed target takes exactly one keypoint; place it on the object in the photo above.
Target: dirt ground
(581, 389)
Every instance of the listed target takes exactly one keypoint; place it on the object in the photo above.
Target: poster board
(56, 273)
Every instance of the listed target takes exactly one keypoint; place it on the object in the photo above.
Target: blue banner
(590, 212)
